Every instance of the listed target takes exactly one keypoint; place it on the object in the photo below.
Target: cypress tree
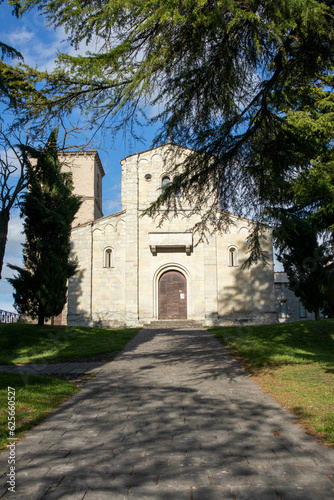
(48, 207)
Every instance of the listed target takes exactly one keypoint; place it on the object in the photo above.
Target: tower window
(164, 183)
(233, 257)
(108, 258)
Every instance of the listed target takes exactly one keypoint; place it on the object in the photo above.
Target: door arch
(172, 295)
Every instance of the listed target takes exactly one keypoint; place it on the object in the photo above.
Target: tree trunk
(317, 314)
(4, 220)
(41, 319)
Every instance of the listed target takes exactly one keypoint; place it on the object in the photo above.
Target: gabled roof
(158, 147)
(92, 222)
(280, 277)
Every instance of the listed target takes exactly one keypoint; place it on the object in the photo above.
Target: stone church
(133, 272)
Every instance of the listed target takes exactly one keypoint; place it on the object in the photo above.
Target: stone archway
(172, 295)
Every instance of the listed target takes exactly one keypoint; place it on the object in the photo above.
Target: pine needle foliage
(247, 84)
(15, 82)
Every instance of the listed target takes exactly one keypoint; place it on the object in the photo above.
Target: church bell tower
(87, 173)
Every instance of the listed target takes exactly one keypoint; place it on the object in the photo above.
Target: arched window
(233, 257)
(302, 311)
(178, 192)
(282, 309)
(164, 182)
(108, 258)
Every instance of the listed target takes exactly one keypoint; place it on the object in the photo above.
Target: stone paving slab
(173, 417)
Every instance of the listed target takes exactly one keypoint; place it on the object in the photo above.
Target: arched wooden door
(172, 296)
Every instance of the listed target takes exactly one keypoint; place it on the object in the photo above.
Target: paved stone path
(173, 417)
(83, 368)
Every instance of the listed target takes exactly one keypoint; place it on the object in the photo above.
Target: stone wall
(87, 173)
(218, 291)
(97, 292)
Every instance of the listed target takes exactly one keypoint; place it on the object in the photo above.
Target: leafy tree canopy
(247, 84)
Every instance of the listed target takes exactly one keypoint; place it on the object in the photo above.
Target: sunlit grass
(23, 343)
(35, 397)
(264, 345)
(295, 363)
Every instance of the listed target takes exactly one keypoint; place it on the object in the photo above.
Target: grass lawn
(23, 343)
(35, 397)
(295, 363)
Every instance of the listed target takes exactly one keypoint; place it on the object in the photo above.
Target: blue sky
(38, 45)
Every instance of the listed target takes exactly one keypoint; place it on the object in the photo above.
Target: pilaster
(210, 280)
(130, 197)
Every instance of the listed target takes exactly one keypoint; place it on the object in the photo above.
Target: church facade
(132, 272)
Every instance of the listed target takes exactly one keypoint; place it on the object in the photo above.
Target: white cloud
(39, 47)
(13, 256)
(41, 52)
(20, 37)
(15, 230)
(111, 207)
(36, 41)
(9, 158)
(6, 302)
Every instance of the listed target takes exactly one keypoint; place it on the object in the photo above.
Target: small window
(148, 177)
(164, 183)
(232, 257)
(282, 309)
(302, 311)
(108, 258)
